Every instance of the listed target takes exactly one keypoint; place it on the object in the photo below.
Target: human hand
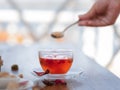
(102, 13)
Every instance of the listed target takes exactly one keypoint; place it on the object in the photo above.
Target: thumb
(83, 17)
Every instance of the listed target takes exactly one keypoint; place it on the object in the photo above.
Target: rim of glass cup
(56, 50)
(67, 51)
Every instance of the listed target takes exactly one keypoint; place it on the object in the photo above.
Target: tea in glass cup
(56, 61)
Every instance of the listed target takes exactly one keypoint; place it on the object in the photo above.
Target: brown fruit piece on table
(14, 67)
(1, 61)
(20, 75)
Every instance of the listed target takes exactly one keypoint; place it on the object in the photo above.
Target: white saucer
(70, 75)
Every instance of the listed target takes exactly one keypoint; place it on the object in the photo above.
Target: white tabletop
(94, 77)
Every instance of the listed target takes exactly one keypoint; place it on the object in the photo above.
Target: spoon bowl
(61, 34)
(57, 34)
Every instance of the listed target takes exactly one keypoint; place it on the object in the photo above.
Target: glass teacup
(56, 61)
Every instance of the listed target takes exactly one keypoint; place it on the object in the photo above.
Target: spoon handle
(70, 26)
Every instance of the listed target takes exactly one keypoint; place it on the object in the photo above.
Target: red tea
(56, 65)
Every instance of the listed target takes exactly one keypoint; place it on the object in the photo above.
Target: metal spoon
(61, 34)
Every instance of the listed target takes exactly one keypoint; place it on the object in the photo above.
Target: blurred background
(27, 22)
